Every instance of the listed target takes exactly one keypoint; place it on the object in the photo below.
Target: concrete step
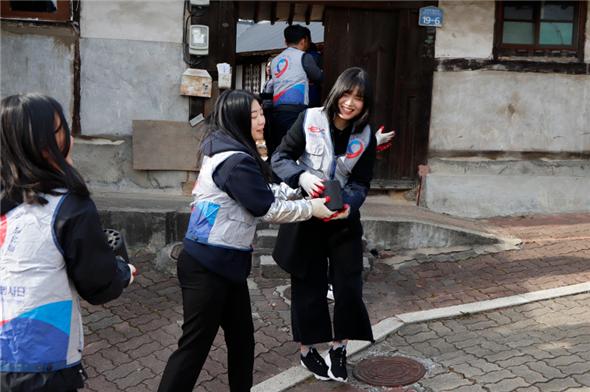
(265, 239)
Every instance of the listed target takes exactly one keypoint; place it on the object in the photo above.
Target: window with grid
(540, 28)
(43, 10)
(251, 78)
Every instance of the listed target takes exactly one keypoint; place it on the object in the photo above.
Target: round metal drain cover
(389, 371)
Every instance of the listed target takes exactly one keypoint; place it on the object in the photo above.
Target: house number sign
(430, 16)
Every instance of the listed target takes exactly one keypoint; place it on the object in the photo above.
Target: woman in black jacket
(333, 142)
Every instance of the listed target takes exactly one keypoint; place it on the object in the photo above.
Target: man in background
(291, 72)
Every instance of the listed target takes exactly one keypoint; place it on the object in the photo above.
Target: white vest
(217, 219)
(41, 325)
(290, 84)
(318, 157)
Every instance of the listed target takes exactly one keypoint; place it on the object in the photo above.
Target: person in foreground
(233, 192)
(52, 250)
(327, 143)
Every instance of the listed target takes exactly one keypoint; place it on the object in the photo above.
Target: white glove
(133, 271)
(311, 184)
(384, 140)
(341, 214)
(319, 209)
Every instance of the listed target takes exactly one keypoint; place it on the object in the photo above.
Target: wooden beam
(273, 12)
(291, 13)
(308, 13)
(256, 10)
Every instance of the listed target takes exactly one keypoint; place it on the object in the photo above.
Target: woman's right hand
(319, 209)
(311, 184)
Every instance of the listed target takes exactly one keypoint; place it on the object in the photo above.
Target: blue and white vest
(41, 325)
(319, 158)
(217, 219)
(290, 84)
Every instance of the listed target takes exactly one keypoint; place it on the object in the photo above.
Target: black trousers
(341, 262)
(210, 301)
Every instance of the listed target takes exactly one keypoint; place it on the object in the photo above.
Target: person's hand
(384, 140)
(340, 214)
(133, 271)
(319, 209)
(311, 184)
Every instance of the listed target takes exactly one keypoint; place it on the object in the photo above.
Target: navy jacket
(242, 179)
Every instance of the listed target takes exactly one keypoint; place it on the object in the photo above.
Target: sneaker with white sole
(314, 362)
(336, 362)
(330, 294)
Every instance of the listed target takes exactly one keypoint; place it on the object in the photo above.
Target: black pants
(281, 122)
(310, 316)
(210, 301)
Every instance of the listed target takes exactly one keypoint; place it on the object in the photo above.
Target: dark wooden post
(221, 18)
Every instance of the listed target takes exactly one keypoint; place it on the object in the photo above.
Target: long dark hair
(233, 115)
(27, 133)
(350, 79)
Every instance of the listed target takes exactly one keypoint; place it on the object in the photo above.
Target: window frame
(537, 50)
(63, 13)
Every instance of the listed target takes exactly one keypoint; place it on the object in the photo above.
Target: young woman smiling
(333, 142)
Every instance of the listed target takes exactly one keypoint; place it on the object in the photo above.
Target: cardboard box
(196, 83)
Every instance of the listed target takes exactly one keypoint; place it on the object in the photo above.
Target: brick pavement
(537, 347)
(129, 340)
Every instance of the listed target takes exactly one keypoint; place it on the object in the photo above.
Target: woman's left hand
(384, 140)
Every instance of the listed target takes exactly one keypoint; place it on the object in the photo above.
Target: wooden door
(397, 54)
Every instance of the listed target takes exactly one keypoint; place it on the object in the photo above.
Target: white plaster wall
(510, 111)
(123, 81)
(487, 196)
(587, 46)
(160, 21)
(468, 30)
(38, 63)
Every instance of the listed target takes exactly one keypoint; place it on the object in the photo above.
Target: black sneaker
(336, 361)
(314, 362)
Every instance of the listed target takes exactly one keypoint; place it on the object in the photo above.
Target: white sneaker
(330, 294)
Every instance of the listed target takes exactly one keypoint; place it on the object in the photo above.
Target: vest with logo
(217, 219)
(41, 326)
(290, 85)
(318, 157)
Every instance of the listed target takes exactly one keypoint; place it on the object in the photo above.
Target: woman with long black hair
(52, 250)
(333, 142)
(233, 192)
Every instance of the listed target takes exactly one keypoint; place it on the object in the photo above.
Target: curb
(384, 328)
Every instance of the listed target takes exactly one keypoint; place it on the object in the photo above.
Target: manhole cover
(389, 371)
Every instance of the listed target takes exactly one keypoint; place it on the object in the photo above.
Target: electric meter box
(199, 40)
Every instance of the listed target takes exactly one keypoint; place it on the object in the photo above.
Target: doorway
(398, 55)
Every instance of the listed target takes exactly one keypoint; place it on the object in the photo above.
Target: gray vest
(319, 158)
(290, 84)
(41, 326)
(217, 219)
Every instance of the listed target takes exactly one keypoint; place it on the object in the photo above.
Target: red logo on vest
(314, 129)
(281, 67)
(354, 149)
(3, 225)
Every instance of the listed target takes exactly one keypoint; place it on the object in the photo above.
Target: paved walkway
(542, 346)
(129, 340)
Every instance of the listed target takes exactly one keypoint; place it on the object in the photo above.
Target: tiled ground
(129, 340)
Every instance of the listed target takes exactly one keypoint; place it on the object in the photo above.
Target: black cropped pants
(209, 302)
(342, 263)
